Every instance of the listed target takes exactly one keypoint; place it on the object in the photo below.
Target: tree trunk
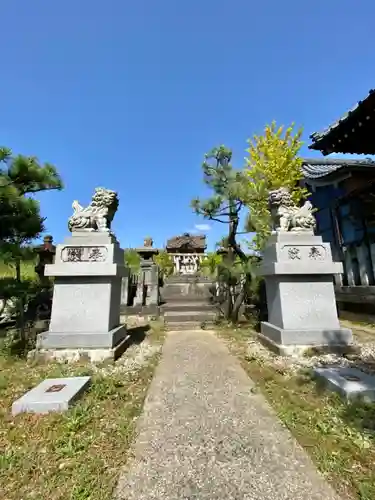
(238, 303)
(228, 304)
(20, 305)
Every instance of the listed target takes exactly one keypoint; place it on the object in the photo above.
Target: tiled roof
(318, 137)
(315, 168)
(187, 240)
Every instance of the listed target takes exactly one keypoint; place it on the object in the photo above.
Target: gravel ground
(206, 434)
(365, 361)
(135, 357)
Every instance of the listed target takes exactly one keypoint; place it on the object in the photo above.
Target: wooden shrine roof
(353, 133)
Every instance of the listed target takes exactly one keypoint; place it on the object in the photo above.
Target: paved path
(205, 436)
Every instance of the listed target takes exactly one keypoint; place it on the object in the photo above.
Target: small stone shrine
(88, 269)
(298, 270)
(187, 252)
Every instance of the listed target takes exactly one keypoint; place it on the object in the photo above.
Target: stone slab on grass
(53, 394)
(350, 383)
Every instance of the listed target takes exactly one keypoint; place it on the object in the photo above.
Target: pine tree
(21, 177)
(225, 206)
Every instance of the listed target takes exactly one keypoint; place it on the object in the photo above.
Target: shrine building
(343, 191)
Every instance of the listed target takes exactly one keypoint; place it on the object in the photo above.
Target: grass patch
(339, 437)
(76, 455)
(27, 270)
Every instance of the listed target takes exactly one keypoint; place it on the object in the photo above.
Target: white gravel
(134, 358)
(365, 361)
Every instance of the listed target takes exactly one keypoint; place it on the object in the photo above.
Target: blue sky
(130, 95)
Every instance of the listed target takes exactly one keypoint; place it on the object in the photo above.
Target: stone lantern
(46, 254)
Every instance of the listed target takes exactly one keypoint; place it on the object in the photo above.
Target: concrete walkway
(204, 435)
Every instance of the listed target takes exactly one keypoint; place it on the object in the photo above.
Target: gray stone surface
(301, 302)
(350, 383)
(186, 287)
(298, 270)
(53, 394)
(77, 354)
(148, 284)
(152, 284)
(88, 273)
(152, 310)
(291, 268)
(298, 350)
(125, 282)
(332, 336)
(90, 339)
(205, 434)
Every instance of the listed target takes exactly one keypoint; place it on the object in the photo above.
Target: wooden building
(186, 243)
(352, 133)
(343, 191)
(187, 252)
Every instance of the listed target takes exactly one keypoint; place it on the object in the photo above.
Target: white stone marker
(53, 394)
(350, 383)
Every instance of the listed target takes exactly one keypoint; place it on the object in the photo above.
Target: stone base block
(98, 355)
(350, 383)
(303, 350)
(55, 394)
(85, 340)
(298, 342)
(310, 336)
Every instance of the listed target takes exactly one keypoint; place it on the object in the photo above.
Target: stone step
(179, 297)
(177, 292)
(191, 306)
(178, 316)
(186, 278)
(189, 312)
(187, 325)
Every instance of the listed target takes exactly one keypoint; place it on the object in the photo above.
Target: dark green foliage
(165, 263)
(21, 177)
(229, 188)
(132, 259)
(228, 185)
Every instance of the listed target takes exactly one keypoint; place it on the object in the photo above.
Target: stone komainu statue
(98, 215)
(285, 214)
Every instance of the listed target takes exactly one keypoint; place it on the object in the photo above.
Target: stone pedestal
(88, 271)
(148, 285)
(148, 278)
(139, 298)
(151, 281)
(298, 270)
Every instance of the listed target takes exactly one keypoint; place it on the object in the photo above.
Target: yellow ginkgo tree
(273, 161)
